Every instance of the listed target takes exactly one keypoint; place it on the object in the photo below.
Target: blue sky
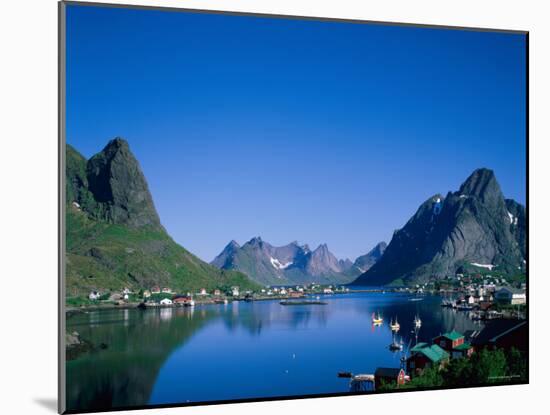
(320, 132)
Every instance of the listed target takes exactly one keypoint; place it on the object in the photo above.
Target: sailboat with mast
(377, 320)
(395, 326)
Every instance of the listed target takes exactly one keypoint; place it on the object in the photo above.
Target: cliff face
(468, 228)
(114, 235)
(119, 189)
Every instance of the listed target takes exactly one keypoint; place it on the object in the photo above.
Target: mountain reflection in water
(241, 349)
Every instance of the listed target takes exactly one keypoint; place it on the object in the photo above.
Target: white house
(283, 291)
(94, 295)
(327, 291)
(510, 295)
(166, 301)
(235, 291)
(203, 291)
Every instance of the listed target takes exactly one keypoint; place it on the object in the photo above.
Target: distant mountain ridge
(291, 263)
(114, 237)
(365, 262)
(472, 228)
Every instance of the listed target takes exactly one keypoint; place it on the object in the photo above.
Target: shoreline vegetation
(484, 367)
(470, 290)
(85, 304)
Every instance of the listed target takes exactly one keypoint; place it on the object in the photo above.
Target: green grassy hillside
(104, 255)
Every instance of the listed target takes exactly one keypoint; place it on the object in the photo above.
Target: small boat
(417, 322)
(395, 326)
(377, 320)
(305, 302)
(395, 346)
(345, 374)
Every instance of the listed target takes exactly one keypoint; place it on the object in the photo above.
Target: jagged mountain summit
(288, 264)
(365, 262)
(114, 235)
(472, 228)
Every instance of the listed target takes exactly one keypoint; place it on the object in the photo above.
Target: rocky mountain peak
(474, 225)
(117, 183)
(233, 244)
(378, 249)
(483, 184)
(322, 248)
(255, 241)
(364, 262)
(322, 261)
(291, 263)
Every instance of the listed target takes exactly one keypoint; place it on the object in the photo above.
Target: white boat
(394, 325)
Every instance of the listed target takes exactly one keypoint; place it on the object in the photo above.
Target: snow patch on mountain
(488, 266)
(278, 265)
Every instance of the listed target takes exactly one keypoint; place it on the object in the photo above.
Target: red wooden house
(181, 299)
(388, 376)
(454, 343)
(449, 341)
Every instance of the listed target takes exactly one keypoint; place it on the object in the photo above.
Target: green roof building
(449, 341)
(424, 355)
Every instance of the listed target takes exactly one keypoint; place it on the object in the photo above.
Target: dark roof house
(503, 333)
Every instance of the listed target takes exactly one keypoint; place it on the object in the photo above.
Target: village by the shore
(500, 303)
(484, 296)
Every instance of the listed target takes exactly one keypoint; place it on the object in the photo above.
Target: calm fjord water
(242, 349)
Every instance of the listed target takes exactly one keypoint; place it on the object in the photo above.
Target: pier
(362, 383)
